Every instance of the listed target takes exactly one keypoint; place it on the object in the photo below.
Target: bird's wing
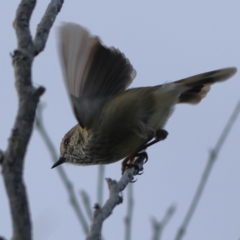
(199, 85)
(93, 73)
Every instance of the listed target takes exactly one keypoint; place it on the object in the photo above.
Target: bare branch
(100, 182)
(12, 164)
(45, 25)
(128, 218)
(212, 158)
(87, 203)
(21, 25)
(115, 198)
(159, 226)
(66, 182)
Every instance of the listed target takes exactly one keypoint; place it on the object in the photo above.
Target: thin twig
(212, 158)
(68, 185)
(159, 226)
(128, 218)
(100, 183)
(87, 203)
(115, 198)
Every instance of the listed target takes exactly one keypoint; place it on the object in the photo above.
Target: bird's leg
(161, 134)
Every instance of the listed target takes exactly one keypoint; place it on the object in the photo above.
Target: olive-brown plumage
(114, 122)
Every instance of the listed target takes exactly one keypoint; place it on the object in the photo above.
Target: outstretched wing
(93, 73)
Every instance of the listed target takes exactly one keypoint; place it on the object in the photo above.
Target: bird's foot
(129, 163)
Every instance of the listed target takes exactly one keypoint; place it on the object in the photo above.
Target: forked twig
(212, 158)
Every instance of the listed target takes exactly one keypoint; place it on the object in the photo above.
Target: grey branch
(21, 25)
(87, 203)
(100, 183)
(66, 182)
(212, 159)
(45, 25)
(28, 96)
(128, 218)
(158, 227)
(115, 198)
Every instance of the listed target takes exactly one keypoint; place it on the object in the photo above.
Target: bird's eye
(66, 142)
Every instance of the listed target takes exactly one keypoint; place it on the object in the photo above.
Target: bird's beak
(60, 161)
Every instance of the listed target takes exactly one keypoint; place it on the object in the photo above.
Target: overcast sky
(165, 41)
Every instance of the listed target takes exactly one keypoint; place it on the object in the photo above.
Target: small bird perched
(115, 123)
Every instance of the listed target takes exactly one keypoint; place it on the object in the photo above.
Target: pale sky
(165, 41)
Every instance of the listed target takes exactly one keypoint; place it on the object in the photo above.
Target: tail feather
(199, 85)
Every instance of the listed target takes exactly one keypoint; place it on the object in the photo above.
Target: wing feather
(93, 72)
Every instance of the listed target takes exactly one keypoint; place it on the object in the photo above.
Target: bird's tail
(199, 85)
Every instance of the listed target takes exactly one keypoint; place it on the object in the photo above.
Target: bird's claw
(138, 171)
(143, 155)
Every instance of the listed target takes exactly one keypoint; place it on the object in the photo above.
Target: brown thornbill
(115, 123)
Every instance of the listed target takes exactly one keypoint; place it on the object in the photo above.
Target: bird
(116, 122)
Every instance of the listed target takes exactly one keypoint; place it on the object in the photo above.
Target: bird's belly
(115, 149)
